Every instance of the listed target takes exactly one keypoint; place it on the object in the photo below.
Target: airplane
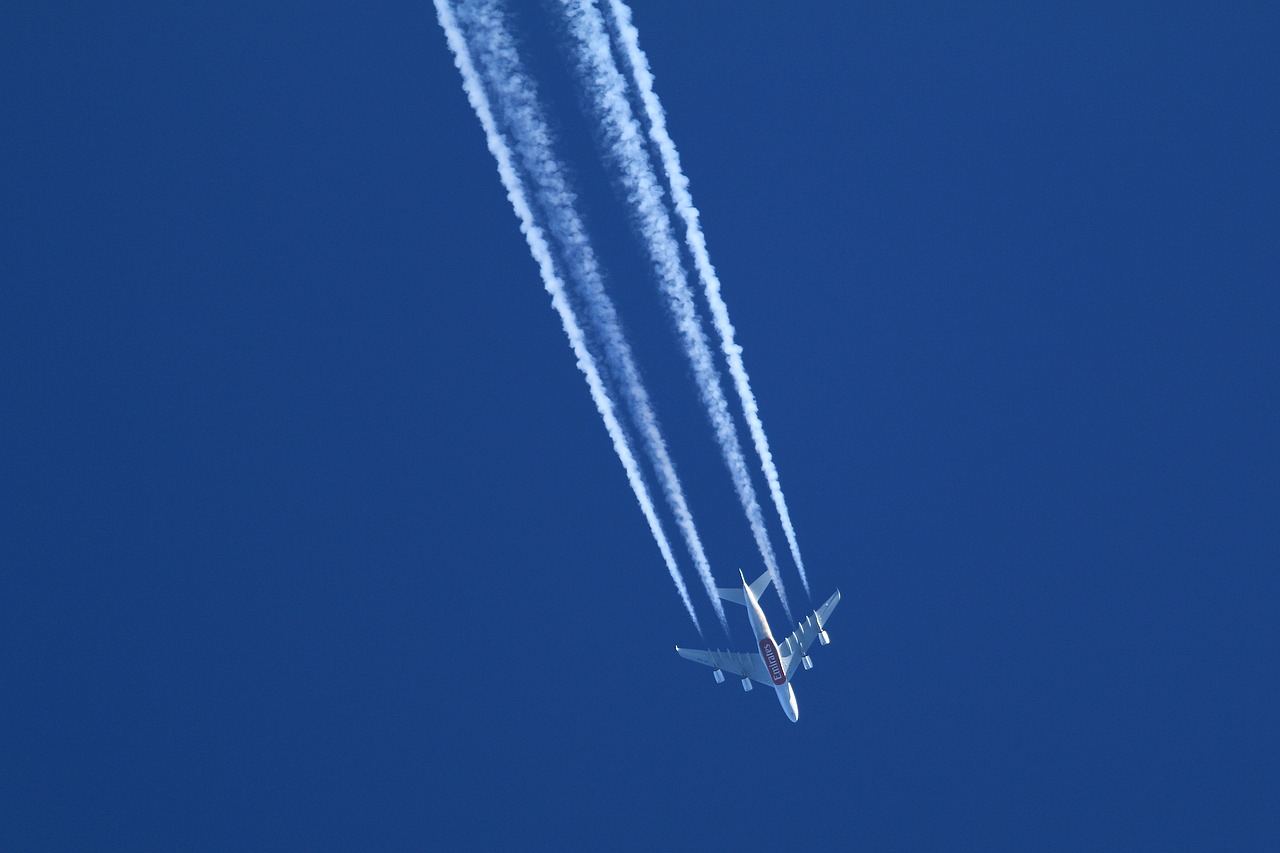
(773, 665)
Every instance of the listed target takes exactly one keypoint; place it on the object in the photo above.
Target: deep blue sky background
(312, 537)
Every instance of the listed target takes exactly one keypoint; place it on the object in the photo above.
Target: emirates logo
(770, 653)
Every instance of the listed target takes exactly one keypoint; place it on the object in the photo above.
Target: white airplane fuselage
(777, 663)
(769, 654)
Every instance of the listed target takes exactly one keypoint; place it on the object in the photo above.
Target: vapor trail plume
(643, 77)
(541, 252)
(609, 92)
(503, 72)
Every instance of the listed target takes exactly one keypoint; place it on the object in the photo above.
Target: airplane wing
(740, 664)
(799, 641)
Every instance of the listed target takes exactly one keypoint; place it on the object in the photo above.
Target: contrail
(521, 109)
(555, 287)
(626, 145)
(643, 78)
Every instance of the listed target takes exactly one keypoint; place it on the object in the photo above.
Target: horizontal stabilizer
(737, 596)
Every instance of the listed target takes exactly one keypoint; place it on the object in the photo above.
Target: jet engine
(823, 638)
(746, 684)
(807, 661)
(718, 675)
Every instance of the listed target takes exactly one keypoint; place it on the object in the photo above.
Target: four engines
(823, 638)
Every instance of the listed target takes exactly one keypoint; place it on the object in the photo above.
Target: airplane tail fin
(758, 586)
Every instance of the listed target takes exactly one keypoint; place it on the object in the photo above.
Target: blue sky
(314, 538)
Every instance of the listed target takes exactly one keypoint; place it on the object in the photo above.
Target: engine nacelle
(746, 684)
(807, 661)
(718, 675)
(823, 638)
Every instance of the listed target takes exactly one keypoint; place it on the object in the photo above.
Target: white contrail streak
(555, 287)
(502, 67)
(643, 77)
(626, 144)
